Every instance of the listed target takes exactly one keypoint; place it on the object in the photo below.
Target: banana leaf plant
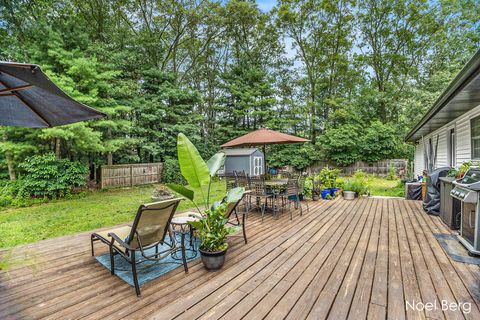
(212, 230)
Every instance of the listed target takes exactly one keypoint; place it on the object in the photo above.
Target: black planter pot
(213, 260)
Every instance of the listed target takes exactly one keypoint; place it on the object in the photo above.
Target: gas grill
(467, 190)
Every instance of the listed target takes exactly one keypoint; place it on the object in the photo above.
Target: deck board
(342, 259)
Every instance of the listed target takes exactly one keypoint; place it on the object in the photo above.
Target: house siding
(237, 163)
(418, 163)
(463, 143)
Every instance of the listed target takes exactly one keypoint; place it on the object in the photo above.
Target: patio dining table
(276, 182)
(276, 185)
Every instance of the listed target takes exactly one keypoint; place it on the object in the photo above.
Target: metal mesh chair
(292, 194)
(241, 179)
(230, 181)
(301, 189)
(258, 196)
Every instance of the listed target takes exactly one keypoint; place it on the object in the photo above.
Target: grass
(69, 216)
(380, 186)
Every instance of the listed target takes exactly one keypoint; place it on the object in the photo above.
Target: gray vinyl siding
(418, 164)
(243, 162)
(462, 146)
(237, 163)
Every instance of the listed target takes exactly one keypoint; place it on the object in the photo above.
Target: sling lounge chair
(234, 208)
(151, 225)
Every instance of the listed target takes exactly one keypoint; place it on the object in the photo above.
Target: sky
(266, 5)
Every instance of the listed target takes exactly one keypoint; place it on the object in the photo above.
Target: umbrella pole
(264, 159)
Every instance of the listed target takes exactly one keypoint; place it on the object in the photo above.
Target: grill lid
(471, 176)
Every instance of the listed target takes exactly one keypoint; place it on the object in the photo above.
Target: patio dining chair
(241, 179)
(301, 189)
(230, 181)
(149, 230)
(258, 196)
(292, 194)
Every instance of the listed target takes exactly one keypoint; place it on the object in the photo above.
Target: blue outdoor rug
(148, 270)
(455, 249)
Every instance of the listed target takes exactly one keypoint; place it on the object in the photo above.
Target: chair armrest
(120, 241)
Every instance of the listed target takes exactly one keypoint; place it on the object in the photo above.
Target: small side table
(181, 226)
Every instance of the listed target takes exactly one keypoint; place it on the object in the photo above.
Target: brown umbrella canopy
(28, 98)
(263, 137)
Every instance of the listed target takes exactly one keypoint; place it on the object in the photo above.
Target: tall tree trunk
(11, 168)
(58, 149)
(109, 158)
(9, 158)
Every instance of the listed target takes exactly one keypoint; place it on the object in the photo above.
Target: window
(257, 166)
(475, 136)
(451, 148)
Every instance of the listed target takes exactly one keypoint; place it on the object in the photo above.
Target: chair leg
(184, 258)
(134, 272)
(299, 205)
(243, 227)
(91, 243)
(112, 260)
(262, 207)
(291, 214)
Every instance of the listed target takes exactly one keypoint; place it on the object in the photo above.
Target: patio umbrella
(262, 137)
(28, 98)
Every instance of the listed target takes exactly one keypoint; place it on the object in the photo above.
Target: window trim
(472, 138)
(259, 166)
(451, 133)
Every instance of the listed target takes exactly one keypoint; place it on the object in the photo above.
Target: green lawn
(380, 186)
(95, 210)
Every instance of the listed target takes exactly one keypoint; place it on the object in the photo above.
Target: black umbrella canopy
(28, 98)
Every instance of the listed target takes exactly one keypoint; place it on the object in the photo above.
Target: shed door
(257, 166)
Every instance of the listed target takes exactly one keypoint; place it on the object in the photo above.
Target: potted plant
(357, 184)
(212, 232)
(328, 177)
(325, 193)
(161, 193)
(348, 190)
(211, 228)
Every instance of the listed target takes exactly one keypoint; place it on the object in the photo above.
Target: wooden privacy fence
(127, 175)
(378, 168)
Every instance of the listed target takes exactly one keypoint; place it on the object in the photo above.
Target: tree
(164, 109)
(321, 35)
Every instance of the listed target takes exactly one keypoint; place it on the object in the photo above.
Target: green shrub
(328, 177)
(12, 193)
(391, 175)
(341, 144)
(357, 183)
(49, 177)
(379, 141)
(171, 171)
(308, 187)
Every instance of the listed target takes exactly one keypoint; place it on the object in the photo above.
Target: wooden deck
(356, 260)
